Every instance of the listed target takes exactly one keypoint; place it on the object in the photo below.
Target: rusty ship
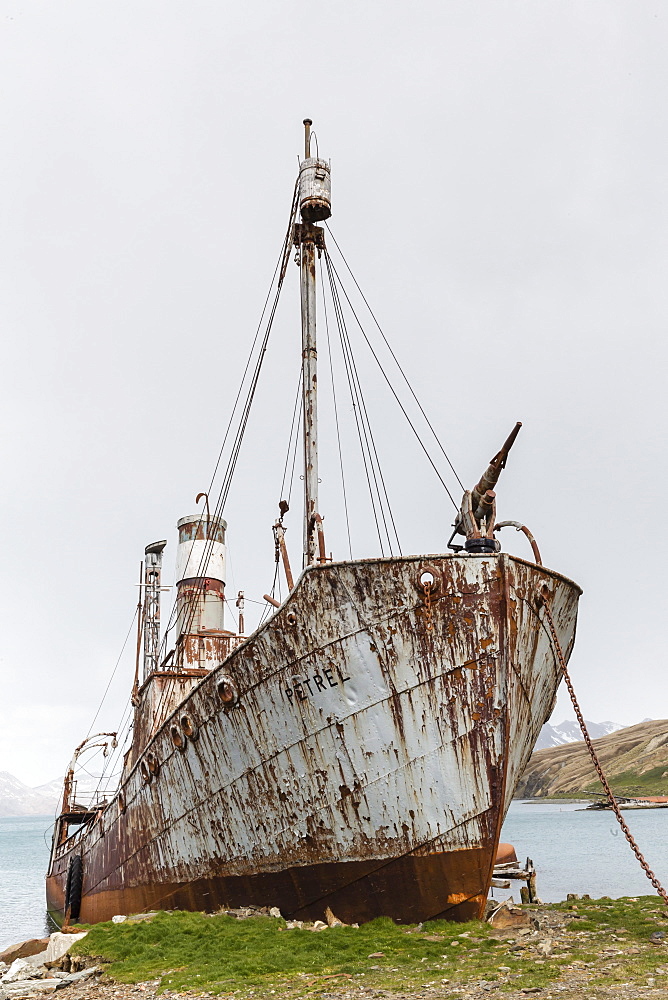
(359, 749)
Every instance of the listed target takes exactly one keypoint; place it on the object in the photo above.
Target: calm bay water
(573, 850)
(24, 855)
(585, 852)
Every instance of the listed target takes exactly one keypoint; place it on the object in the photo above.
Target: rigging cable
(336, 413)
(113, 674)
(292, 428)
(195, 597)
(393, 390)
(395, 359)
(353, 378)
(371, 437)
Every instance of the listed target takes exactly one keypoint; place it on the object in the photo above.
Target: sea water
(25, 843)
(584, 851)
(573, 850)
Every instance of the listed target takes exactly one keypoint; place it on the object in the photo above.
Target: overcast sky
(499, 183)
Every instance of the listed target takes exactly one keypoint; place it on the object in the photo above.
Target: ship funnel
(200, 596)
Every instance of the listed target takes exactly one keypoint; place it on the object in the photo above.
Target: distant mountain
(634, 759)
(17, 799)
(569, 732)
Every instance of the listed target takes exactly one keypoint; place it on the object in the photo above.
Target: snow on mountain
(569, 732)
(17, 799)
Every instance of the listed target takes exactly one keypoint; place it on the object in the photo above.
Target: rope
(594, 756)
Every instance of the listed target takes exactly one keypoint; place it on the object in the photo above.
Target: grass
(260, 957)
(652, 782)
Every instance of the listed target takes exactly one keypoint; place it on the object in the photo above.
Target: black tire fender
(74, 886)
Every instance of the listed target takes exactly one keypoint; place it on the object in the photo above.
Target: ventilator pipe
(522, 527)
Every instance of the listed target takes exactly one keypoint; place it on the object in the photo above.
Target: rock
(294, 925)
(506, 916)
(490, 906)
(545, 947)
(20, 969)
(275, 912)
(376, 954)
(59, 944)
(77, 977)
(37, 960)
(319, 925)
(657, 937)
(333, 921)
(30, 988)
(120, 918)
(23, 950)
(136, 918)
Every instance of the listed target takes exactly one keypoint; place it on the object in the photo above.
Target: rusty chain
(426, 587)
(594, 756)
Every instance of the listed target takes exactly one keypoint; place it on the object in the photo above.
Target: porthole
(144, 771)
(227, 692)
(189, 727)
(153, 764)
(178, 739)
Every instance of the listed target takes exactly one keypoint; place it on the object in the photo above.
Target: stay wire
(366, 424)
(232, 461)
(394, 392)
(279, 264)
(292, 428)
(356, 415)
(375, 450)
(395, 359)
(336, 412)
(113, 674)
(291, 481)
(236, 447)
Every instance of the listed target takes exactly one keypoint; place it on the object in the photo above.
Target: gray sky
(499, 175)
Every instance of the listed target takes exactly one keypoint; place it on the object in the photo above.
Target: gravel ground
(573, 984)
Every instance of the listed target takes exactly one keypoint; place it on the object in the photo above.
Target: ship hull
(365, 760)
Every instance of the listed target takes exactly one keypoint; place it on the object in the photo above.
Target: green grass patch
(221, 955)
(638, 917)
(652, 782)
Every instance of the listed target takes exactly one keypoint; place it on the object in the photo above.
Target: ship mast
(314, 205)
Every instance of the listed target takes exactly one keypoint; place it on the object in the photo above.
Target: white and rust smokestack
(200, 594)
